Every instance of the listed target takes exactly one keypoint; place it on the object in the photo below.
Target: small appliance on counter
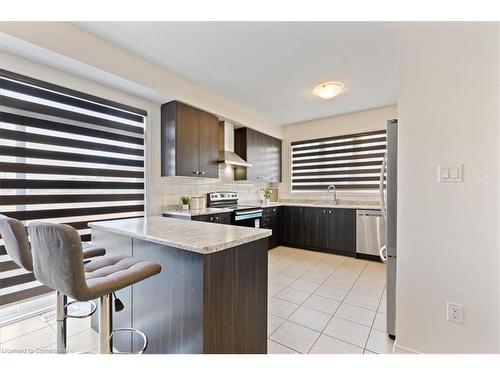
(197, 203)
(245, 216)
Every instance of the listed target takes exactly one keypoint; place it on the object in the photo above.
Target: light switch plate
(450, 173)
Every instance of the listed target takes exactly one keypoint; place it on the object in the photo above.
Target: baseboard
(400, 349)
(374, 258)
(321, 250)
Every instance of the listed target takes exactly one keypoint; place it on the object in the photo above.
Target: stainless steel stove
(243, 215)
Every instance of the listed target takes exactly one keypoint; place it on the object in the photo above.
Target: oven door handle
(248, 212)
(247, 216)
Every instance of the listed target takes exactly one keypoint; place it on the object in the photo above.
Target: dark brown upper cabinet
(260, 150)
(189, 141)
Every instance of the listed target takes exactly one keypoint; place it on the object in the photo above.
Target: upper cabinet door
(208, 145)
(255, 155)
(273, 153)
(187, 140)
(260, 150)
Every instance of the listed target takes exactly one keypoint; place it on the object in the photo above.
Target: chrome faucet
(332, 187)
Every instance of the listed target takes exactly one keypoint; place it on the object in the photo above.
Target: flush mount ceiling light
(328, 90)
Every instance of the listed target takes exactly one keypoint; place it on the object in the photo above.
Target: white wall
(448, 234)
(72, 42)
(43, 72)
(357, 122)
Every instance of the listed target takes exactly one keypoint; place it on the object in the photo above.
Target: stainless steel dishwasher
(370, 233)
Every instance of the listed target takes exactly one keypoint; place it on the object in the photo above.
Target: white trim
(404, 350)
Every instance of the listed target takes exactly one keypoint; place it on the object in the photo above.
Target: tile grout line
(285, 346)
(376, 312)
(27, 333)
(339, 305)
(300, 305)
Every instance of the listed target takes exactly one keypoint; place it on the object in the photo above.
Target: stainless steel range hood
(226, 141)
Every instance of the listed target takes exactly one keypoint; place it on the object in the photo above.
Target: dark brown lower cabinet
(270, 220)
(326, 229)
(224, 218)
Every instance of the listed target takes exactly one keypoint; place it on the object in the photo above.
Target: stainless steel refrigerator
(389, 207)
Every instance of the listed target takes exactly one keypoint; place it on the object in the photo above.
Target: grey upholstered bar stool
(58, 263)
(17, 245)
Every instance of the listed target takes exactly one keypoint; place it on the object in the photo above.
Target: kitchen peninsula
(211, 296)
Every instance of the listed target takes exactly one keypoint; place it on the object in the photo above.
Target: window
(65, 157)
(350, 162)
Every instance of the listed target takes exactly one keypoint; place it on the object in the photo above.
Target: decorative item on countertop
(185, 202)
(195, 203)
(267, 196)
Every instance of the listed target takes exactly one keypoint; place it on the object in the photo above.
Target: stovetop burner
(227, 199)
(243, 215)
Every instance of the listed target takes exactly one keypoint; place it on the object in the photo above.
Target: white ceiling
(271, 67)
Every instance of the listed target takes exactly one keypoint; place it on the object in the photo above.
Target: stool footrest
(132, 330)
(93, 308)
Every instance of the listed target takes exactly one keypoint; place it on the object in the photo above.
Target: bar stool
(16, 242)
(58, 263)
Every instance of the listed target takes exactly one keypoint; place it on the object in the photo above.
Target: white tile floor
(325, 304)
(318, 303)
(34, 335)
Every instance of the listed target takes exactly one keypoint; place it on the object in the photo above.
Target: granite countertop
(178, 212)
(195, 236)
(355, 206)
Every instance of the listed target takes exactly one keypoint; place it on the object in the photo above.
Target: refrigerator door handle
(381, 187)
(383, 254)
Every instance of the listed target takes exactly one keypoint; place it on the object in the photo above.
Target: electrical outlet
(455, 312)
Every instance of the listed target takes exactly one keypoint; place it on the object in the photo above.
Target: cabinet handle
(203, 172)
(196, 172)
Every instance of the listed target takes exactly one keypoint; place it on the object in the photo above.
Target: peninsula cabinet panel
(189, 141)
(168, 308)
(235, 304)
(212, 303)
(260, 150)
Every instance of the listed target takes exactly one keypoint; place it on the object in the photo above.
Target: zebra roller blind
(65, 157)
(350, 162)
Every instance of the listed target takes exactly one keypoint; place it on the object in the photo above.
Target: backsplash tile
(173, 188)
(365, 198)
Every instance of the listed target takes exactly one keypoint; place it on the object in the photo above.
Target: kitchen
(216, 219)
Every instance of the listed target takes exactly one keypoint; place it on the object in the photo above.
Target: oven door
(250, 218)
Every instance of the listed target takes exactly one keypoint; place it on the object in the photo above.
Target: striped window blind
(65, 157)
(350, 162)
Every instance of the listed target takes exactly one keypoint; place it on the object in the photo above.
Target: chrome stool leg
(105, 324)
(106, 331)
(61, 314)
